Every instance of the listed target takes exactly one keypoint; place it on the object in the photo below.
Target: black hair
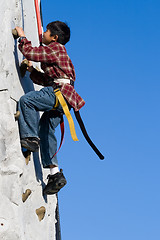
(61, 29)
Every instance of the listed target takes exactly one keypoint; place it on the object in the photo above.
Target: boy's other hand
(20, 32)
(30, 66)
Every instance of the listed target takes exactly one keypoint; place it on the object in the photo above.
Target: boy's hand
(20, 32)
(27, 65)
(30, 66)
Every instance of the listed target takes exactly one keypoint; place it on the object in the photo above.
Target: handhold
(27, 155)
(26, 195)
(23, 67)
(16, 115)
(41, 212)
(15, 33)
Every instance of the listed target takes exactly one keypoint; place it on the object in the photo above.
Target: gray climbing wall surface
(24, 213)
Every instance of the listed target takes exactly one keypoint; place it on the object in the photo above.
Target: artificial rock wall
(19, 219)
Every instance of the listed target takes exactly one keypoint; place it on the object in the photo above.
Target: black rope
(83, 129)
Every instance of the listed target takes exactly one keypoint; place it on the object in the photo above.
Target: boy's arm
(37, 54)
(38, 77)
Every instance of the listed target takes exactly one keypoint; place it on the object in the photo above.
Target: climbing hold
(26, 195)
(27, 155)
(41, 212)
(15, 33)
(21, 174)
(3, 225)
(16, 115)
(23, 67)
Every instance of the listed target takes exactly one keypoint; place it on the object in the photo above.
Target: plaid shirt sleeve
(41, 54)
(38, 78)
(41, 78)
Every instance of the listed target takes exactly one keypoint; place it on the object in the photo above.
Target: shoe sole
(25, 145)
(54, 191)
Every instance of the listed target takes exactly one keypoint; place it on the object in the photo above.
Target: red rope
(62, 136)
(39, 25)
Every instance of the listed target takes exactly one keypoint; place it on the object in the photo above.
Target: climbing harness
(64, 105)
(60, 100)
(56, 104)
(67, 113)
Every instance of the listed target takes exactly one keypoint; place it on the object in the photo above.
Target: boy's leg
(29, 105)
(48, 146)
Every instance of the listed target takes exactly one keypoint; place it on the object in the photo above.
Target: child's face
(47, 38)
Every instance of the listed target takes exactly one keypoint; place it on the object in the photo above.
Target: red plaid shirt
(56, 64)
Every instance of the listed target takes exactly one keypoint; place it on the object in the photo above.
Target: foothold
(16, 115)
(27, 155)
(26, 195)
(23, 67)
(3, 225)
(20, 175)
(15, 33)
(41, 212)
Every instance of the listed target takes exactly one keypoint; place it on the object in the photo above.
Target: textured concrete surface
(19, 219)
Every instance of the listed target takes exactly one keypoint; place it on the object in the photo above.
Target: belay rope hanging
(39, 24)
(77, 114)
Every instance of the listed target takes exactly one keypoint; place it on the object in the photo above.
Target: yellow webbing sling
(56, 104)
(66, 112)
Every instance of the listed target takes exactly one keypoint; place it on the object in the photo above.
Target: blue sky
(115, 48)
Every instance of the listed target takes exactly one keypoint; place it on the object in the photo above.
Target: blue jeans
(31, 126)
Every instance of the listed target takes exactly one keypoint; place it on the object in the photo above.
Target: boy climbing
(58, 72)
